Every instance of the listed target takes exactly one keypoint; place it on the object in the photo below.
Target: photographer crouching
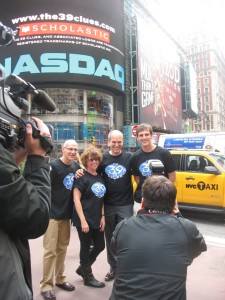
(155, 247)
(24, 214)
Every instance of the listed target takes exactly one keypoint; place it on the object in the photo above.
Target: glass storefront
(83, 115)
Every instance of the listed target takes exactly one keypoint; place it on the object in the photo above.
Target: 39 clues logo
(144, 169)
(98, 189)
(68, 181)
(115, 171)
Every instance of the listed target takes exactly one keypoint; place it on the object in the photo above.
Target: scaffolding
(134, 70)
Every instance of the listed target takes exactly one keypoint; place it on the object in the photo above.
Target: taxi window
(196, 163)
(177, 161)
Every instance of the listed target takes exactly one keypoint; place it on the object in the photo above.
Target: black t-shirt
(140, 165)
(62, 180)
(93, 192)
(116, 173)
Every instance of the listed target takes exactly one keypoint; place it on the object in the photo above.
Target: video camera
(13, 90)
(156, 167)
(7, 35)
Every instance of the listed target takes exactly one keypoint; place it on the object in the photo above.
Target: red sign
(63, 28)
(134, 128)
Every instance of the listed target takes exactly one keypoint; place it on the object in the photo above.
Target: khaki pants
(55, 242)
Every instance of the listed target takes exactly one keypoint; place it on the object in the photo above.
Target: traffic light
(93, 140)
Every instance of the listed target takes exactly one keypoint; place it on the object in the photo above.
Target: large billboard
(77, 42)
(159, 91)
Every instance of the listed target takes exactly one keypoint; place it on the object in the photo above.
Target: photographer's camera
(156, 167)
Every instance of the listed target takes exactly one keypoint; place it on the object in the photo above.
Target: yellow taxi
(200, 180)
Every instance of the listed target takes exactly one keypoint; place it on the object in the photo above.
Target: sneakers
(110, 276)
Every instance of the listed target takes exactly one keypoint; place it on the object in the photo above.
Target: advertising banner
(159, 90)
(185, 142)
(73, 42)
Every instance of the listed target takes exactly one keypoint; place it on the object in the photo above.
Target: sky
(182, 16)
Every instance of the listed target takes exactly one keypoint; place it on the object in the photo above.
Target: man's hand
(79, 173)
(32, 145)
(44, 131)
(102, 223)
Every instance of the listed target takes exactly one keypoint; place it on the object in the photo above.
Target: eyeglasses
(93, 159)
(72, 149)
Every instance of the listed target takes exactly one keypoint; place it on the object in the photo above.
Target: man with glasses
(57, 236)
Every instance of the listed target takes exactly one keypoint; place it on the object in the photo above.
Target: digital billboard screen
(66, 42)
(159, 90)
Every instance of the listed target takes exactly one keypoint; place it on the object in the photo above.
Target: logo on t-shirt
(98, 189)
(115, 171)
(144, 169)
(68, 181)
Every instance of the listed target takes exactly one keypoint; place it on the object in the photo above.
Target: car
(200, 180)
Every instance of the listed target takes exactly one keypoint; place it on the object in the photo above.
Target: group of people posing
(148, 252)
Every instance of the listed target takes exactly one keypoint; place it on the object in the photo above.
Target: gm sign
(71, 42)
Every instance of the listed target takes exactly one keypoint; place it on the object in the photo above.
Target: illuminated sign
(58, 63)
(71, 42)
(159, 79)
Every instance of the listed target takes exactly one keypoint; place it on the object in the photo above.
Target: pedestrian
(57, 236)
(89, 191)
(116, 171)
(149, 151)
(155, 247)
(24, 213)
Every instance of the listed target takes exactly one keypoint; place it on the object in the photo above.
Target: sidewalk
(100, 268)
(205, 280)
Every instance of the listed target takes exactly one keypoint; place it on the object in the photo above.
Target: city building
(106, 64)
(208, 60)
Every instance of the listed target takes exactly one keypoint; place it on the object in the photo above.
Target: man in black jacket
(24, 213)
(155, 247)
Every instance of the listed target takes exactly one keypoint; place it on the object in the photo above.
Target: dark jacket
(24, 214)
(153, 253)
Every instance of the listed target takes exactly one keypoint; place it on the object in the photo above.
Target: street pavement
(205, 280)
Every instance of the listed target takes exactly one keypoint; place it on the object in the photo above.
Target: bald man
(115, 170)
(57, 236)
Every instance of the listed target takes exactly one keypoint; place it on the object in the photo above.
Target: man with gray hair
(57, 236)
(155, 247)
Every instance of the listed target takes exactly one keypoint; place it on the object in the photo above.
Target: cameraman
(24, 214)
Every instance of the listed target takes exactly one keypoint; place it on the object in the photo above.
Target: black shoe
(80, 272)
(89, 280)
(66, 286)
(48, 295)
(110, 276)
